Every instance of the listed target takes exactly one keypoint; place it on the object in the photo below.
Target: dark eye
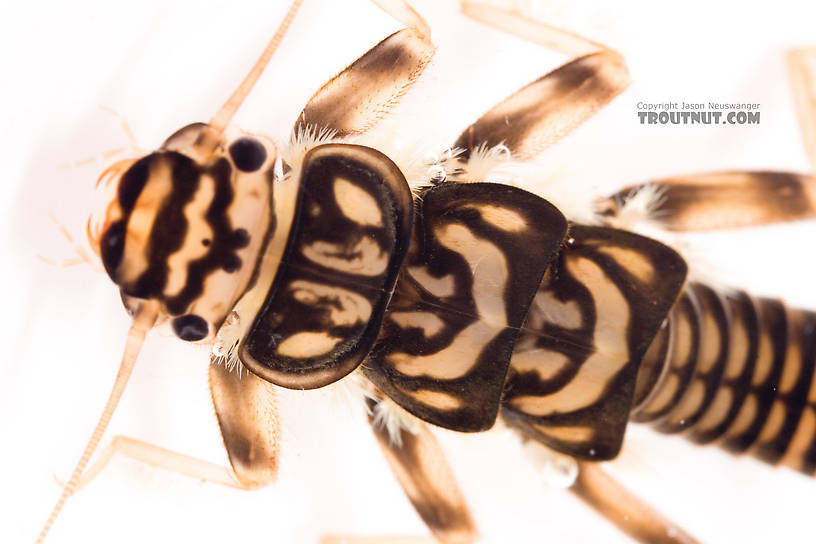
(190, 327)
(111, 248)
(248, 154)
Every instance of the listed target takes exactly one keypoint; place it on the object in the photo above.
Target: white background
(161, 65)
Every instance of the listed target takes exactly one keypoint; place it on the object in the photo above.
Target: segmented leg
(247, 415)
(354, 100)
(156, 456)
(627, 511)
(424, 474)
(717, 201)
(725, 200)
(543, 112)
(405, 14)
(802, 66)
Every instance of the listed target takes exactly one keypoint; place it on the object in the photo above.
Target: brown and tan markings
(796, 439)
(347, 242)
(752, 382)
(725, 200)
(743, 351)
(374, 84)
(247, 416)
(772, 337)
(763, 402)
(527, 124)
(179, 231)
(653, 367)
(627, 511)
(572, 376)
(682, 361)
(711, 363)
(792, 392)
(487, 285)
(477, 257)
(420, 466)
(733, 199)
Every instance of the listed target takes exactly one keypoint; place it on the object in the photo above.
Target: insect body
(322, 304)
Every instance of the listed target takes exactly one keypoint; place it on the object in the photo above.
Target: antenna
(142, 322)
(209, 138)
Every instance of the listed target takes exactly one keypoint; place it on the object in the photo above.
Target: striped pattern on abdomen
(737, 371)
